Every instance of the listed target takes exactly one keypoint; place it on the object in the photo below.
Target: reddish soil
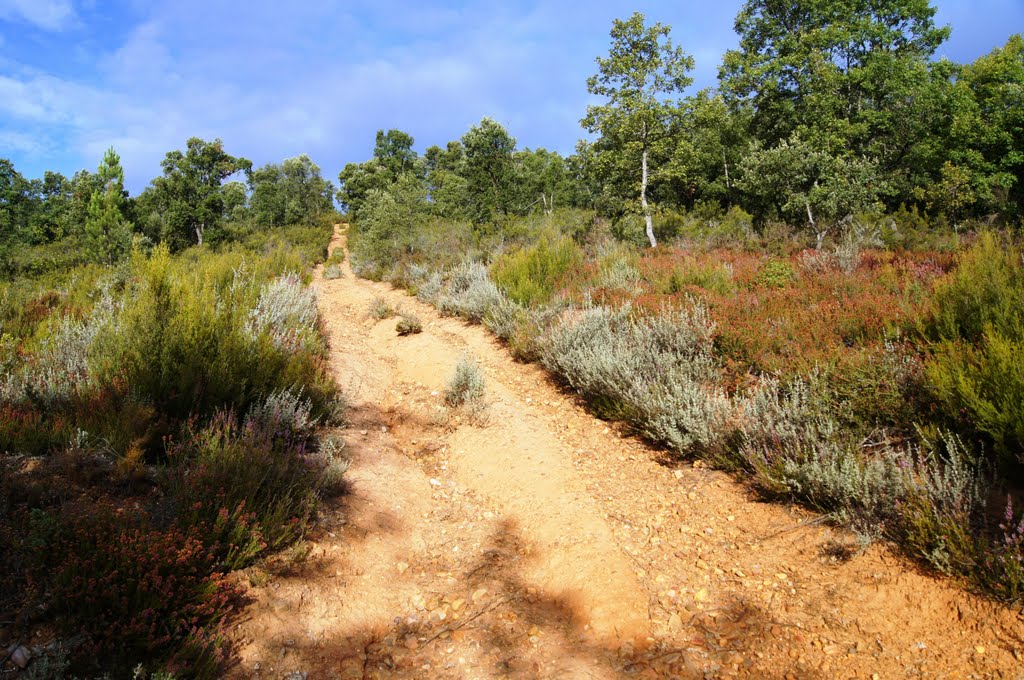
(534, 541)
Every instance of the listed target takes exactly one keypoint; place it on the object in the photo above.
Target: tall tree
(642, 70)
(188, 196)
(108, 233)
(988, 127)
(394, 151)
(289, 193)
(15, 204)
(489, 170)
(446, 181)
(840, 74)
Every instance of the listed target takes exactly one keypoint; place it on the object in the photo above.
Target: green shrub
(775, 273)
(981, 387)
(978, 324)
(199, 337)
(531, 276)
(985, 291)
(408, 324)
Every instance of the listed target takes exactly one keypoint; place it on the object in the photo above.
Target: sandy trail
(536, 542)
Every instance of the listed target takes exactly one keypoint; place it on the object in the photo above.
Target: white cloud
(49, 15)
(22, 142)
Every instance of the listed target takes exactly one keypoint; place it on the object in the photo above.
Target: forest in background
(810, 275)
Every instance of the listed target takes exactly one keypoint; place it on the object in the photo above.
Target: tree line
(200, 190)
(825, 110)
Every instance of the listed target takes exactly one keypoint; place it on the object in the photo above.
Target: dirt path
(538, 543)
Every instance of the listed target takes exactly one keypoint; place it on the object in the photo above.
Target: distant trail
(540, 543)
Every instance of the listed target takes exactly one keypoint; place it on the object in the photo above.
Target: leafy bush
(408, 324)
(332, 272)
(983, 292)
(532, 275)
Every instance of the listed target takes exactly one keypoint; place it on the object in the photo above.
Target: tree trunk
(643, 199)
(818, 234)
(199, 233)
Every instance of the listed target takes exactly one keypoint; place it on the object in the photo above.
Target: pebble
(21, 656)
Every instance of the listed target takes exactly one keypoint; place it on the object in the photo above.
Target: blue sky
(275, 79)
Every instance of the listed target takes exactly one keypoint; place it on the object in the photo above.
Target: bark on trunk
(643, 201)
(199, 233)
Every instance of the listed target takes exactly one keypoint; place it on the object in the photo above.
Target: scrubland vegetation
(160, 401)
(810, 276)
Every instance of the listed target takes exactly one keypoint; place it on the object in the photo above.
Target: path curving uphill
(534, 541)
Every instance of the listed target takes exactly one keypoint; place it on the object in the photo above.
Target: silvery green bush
(656, 372)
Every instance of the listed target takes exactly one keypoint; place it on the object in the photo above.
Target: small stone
(402, 566)
(457, 604)
(411, 643)
(435, 482)
(731, 518)
(782, 576)
(678, 474)
(21, 656)
(479, 594)
(363, 432)
(980, 649)
(675, 623)
(701, 595)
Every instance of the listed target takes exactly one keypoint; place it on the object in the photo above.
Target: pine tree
(107, 233)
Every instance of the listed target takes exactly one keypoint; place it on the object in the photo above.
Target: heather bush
(657, 373)
(975, 367)
(532, 275)
(132, 591)
(252, 484)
